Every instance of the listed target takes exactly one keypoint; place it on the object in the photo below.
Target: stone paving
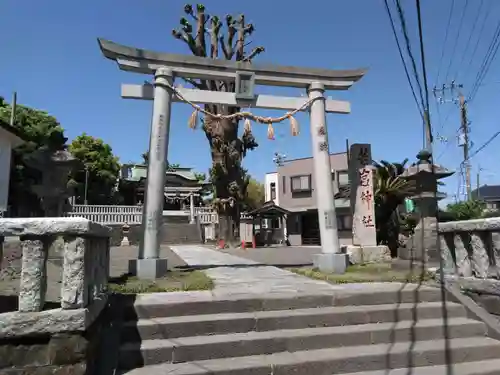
(237, 276)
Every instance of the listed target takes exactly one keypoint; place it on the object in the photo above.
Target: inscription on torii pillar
(246, 76)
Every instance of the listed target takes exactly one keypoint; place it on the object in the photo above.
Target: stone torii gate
(166, 67)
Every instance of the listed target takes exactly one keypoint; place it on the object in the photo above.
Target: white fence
(106, 214)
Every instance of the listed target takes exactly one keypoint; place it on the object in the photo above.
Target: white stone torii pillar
(165, 66)
(150, 262)
(331, 257)
(192, 219)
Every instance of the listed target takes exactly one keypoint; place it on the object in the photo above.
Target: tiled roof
(487, 192)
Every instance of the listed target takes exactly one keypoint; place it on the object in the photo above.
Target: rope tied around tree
(247, 116)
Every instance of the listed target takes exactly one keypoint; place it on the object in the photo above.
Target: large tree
(255, 195)
(41, 131)
(99, 168)
(207, 39)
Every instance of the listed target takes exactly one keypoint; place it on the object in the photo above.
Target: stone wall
(60, 353)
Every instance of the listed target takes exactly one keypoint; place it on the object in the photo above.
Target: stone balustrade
(84, 249)
(65, 339)
(470, 250)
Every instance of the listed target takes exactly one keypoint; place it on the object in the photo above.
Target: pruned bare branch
(214, 37)
(240, 49)
(249, 29)
(186, 38)
(223, 47)
(256, 51)
(200, 31)
(188, 9)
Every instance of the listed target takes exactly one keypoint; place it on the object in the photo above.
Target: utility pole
(13, 108)
(465, 144)
(85, 202)
(453, 93)
(477, 181)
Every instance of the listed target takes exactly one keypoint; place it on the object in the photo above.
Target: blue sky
(51, 58)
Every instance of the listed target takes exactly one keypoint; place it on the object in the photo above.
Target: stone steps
(196, 348)
(262, 321)
(339, 360)
(201, 303)
(469, 368)
(349, 330)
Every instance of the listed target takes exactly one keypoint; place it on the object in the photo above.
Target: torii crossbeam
(166, 67)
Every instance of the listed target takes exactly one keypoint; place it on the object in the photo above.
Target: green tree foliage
(255, 195)
(466, 210)
(103, 168)
(390, 191)
(207, 39)
(41, 131)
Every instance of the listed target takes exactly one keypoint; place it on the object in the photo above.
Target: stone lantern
(424, 175)
(125, 231)
(54, 190)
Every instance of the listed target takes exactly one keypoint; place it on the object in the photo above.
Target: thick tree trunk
(227, 179)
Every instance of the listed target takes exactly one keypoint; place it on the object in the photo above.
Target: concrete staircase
(180, 233)
(355, 333)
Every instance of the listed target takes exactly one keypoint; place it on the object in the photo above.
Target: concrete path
(237, 276)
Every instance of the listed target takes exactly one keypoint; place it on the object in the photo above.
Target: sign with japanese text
(364, 230)
(360, 156)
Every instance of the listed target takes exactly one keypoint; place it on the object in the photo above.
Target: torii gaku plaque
(166, 67)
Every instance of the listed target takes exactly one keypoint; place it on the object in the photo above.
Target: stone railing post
(471, 248)
(85, 259)
(33, 284)
(85, 269)
(1, 251)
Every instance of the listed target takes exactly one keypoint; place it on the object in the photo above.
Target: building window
(273, 191)
(300, 183)
(283, 182)
(343, 178)
(344, 222)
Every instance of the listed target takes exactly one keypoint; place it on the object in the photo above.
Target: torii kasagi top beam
(143, 61)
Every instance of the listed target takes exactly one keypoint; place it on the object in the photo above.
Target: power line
(457, 39)
(408, 49)
(483, 146)
(473, 54)
(427, 121)
(422, 55)
(455, 133)
(420, 110)
(486, 64)
(445, 40)
(470, 38)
